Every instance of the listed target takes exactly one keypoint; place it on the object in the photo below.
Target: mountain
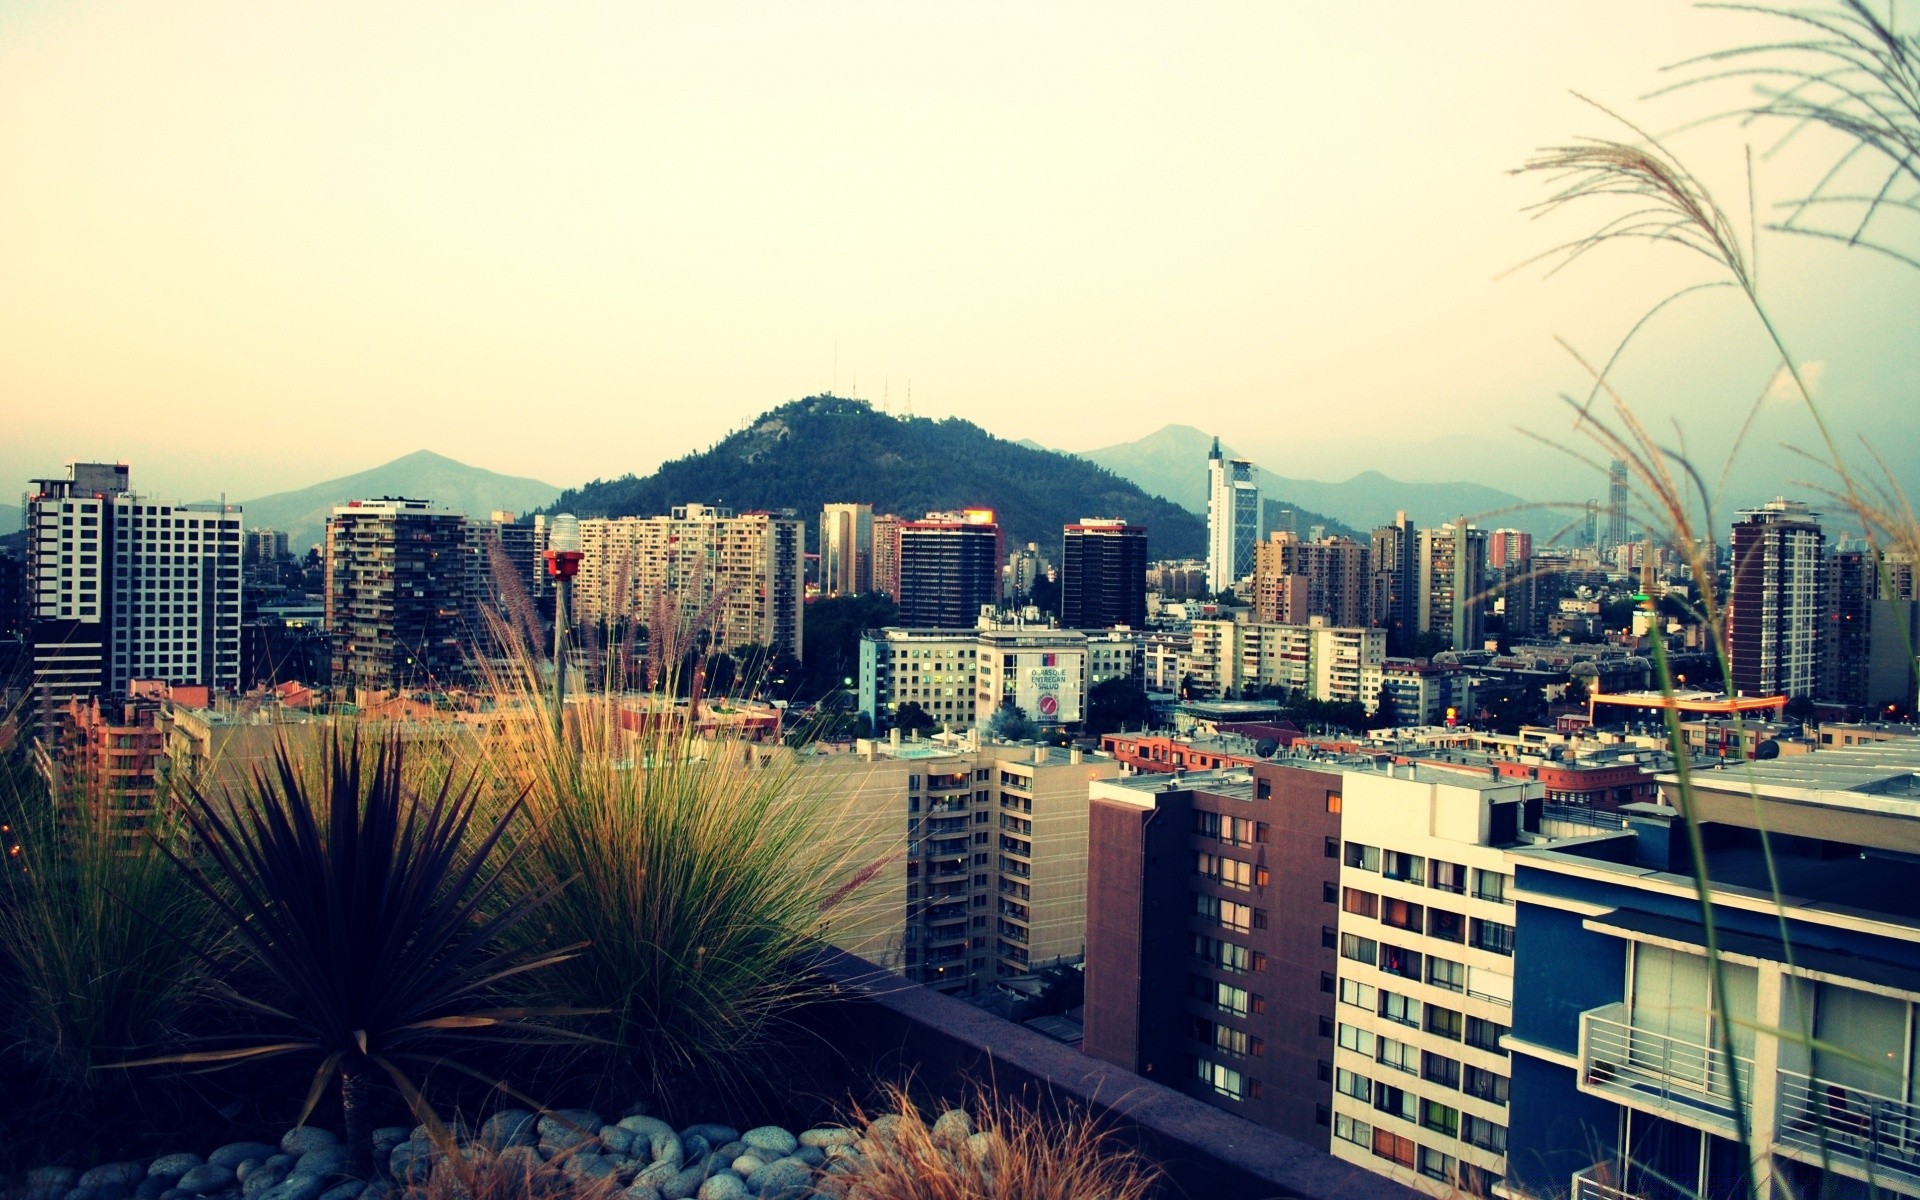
(825, 449)
(422, 475)
(1172, 462)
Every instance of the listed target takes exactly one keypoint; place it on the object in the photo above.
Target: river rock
(716, 1135)
(266, 1175)
(508, 1127)
(771, 1138)
(565, 1128)
(296, 1187)
(684, 1183)
(385, 1139)
(350, 1190)
(126, 1174)
(299, 1140)
(724, 1186)
(172, 1166)
(828, 1135)
(780, 1177)
(411, 1162)
(951, 1129)
(234, 1153)
(151, 1187)
(322, 1163)
(585, 1165)
(206, 1179)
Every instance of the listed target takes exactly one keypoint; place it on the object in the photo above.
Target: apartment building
(1640, 1055)
(1294, 581)
(398, 602)
(1451, 592)
(740, 578)
(1211, 926)
(949, 568)
(1395, 559)
(886, 554)
(1775, 602)
(1425, 981)
(983, 853)
(1312, 661)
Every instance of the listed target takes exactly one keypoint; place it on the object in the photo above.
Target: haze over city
(250, 249)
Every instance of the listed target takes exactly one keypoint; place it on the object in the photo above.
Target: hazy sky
(249, 246)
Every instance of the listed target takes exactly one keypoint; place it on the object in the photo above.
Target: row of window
(1229, 998)
(1405, 1152)
(1227, 956)
(1229, 914)
(1234, 831)
(1429, 968)
(1494, 936)
(1434, 873)
(1225, 1080)
(1230, 872)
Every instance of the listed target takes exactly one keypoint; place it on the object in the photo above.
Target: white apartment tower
(1233, 519)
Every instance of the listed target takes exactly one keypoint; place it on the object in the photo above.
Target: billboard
(1048, 686)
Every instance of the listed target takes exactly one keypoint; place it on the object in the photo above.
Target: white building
(962, 677)
(1425, 978)
(1233, 520)
(176, 593)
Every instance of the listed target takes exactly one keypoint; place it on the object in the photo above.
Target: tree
(912, 719)
(831, 640)
(1386, 712)
(1115, 704)
(1011, 724)
(1044, 595)
(1576, 692)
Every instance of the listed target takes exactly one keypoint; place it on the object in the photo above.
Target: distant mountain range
(1172, 462)
(826, 449)
(422, 475)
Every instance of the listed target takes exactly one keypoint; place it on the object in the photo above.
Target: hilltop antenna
(836, 368)
(909, 397)
(886, 393)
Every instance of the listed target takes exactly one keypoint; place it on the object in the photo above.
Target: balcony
(1658, 1073)
(1593, 1184)
(1864, 1134)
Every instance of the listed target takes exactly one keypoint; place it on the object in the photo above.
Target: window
(1402, 915)
(1490, 885)
(1478, 1131)
(1403, 1009)
(1349, 1130)
(1408, 867)
(1359, 903)
(1447, 926)
(1398, 960)
(1449, 877)
(1393, 1147)
(1485, 1035)
(1485, 1085)
(1395, 1102)
(1332, 848)
(1225, 913)
(1326, 982)
(1443, 1022)
(1352, 1037)
(1327, 938)
(1349, 1084)
(1399, 1055)
(1358, 994)
(1333, 802)
(1232, 1000)
(1359, 949)
(1365, 858)
(1438, 1068)
(1439, 1118)
(1228, 956)
(1445, 973)
(1496, 936)
(1435, 1165)
(1330, 893)
(1221, 1078)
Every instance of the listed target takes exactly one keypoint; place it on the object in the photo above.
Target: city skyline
(445, 236)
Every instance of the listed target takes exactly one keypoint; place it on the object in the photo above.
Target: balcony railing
(1844, 1125)
(1591, 1184)
(1658, 1072)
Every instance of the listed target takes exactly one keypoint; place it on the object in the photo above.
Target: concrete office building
(1623, 1075)
(739, 578)
(1103, 574)
(1233, 519)
(1426, 974)
(846, 549)
(961, 678)
(1775, 603)
(398, 602)
(949, 568)
(1211, 926)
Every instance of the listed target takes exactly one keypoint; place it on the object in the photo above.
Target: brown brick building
(1211, 937)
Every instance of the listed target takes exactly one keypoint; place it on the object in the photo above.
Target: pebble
(151, 1187)
(296, 1187)
(410, 1162)
(172, 1166)
(684, 1183)
(952, 1129)
(565, 1128)
(125, 1174)
(509, 1127)
(588, 1166)
(206, 1179)
(235, 1153)
(350, 1190)
(327, 1160)
(267, 1175)
(829, 1135)
(716, 1135)
(780, 1177)
(770, 1137)
(385, 1139)
(299, 1140)
(724, 1186)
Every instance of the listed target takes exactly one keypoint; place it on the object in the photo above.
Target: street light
(563, 563)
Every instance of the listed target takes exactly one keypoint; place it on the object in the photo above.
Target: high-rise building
(1774, 605)
(846, 549)
(1452, 585)
(1103, 574)
(1212, 914)
(1617, 493)
(1509, 549)
(737, 578)
(1025, 567)
(949, 568)
(1233, 519)
(122, 588)
(1395, 559)
(1294, 581)
(1850, 589)
(886, 555)
(398, 607)
(264, 547)
(1425, 978)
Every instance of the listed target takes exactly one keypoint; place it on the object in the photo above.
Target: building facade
(1103, 574)
(961, 678)
(1395, 558)
(949, 568)
(398, 605)
(1452, 591)
(1846, 633)
(1775, 605)
(1295, 581)
(846, 549)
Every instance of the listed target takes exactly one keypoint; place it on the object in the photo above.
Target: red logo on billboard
(1049, 705)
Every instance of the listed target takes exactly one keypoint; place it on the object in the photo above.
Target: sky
(247, 247)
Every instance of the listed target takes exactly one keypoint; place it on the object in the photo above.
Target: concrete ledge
(898, 1030)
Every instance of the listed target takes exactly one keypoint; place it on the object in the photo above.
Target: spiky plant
(373, 915)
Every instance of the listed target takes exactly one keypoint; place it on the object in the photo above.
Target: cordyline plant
(375, 915)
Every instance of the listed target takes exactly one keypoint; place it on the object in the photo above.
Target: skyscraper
(739, 578)
(1294, 581)
(398, 578)
(1233, 519)
(1452, 585)
(1617, 504)
(1774, 606)
(846, 549)
(1847, 631)
(1396, 577)
(1103, 574)
(949, 568)
(886, 555)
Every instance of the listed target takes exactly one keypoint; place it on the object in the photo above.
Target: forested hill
(825, 450)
